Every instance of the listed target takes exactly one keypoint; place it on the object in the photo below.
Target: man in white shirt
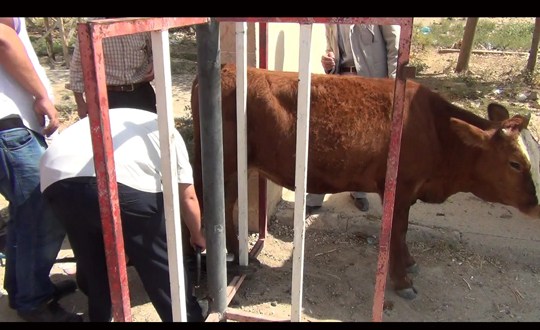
(68, 181)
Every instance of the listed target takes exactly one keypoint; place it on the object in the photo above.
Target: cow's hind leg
(231, 236)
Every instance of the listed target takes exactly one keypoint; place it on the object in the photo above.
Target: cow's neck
(456, 170)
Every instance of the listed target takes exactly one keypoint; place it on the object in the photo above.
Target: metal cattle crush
(90, 37)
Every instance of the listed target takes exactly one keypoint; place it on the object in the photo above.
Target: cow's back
(350, 121)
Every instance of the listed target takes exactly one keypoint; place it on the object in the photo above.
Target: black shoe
(49, 312)
(63, 288)
(311, 209)
(361, 203)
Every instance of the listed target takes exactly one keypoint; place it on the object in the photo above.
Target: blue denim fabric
(34, 235)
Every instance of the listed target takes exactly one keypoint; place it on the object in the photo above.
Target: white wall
(284, 46)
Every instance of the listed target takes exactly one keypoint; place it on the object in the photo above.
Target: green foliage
(489, 35)
(444, 34)
(420, 65)
(40, 46)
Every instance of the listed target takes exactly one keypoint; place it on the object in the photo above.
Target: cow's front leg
(401, 262)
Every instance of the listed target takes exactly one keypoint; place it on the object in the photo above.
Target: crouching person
(68, 181)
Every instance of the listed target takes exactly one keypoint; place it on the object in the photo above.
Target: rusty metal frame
(403, 73)
(90, 36)
(90, 40)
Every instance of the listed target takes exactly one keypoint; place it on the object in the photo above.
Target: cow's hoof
(409, 293)
(414, 269)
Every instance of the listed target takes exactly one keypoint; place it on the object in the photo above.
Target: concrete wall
(283, 55)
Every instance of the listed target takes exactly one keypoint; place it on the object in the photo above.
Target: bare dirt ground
(478, 261)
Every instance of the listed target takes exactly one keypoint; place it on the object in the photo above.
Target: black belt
(9, 123)
(351, 69)
(126, 88)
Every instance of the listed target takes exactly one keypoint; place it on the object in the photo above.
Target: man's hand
(82, 107)
(82, 110)
(328, 61)
(44, 107)
(198, 240)
(149, 73)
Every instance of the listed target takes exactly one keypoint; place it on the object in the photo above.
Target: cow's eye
(515, 166)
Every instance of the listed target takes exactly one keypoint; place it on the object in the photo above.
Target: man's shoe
(49, 312)
(361, 203)
(63, 288)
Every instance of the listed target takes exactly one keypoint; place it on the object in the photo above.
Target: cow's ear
(497, 112)
(514, 125)
(469, 134)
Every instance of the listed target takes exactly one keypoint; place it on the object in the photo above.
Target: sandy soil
(477, 260)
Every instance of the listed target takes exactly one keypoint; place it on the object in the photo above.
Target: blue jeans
(34, 235)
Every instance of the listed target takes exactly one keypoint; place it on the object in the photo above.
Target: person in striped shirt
(128, 72)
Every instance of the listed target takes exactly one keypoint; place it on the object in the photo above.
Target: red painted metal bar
(115, 27)
(392, 169)
(263, 64)
(90, 40)
(98, 112)
(406, 24)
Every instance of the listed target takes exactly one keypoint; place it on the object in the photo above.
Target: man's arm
(191, 214)
(328, 60)
(16, 62)
(76, 82)
(391, 35)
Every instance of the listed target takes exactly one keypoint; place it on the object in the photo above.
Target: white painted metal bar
(302, 142)
(162, 73)
(241, 144)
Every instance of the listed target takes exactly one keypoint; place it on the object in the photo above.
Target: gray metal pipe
(209, 72)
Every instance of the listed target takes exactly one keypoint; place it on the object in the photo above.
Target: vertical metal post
(209, 73)
(392, 167)
(162, 69)
(302, 145)
(241, 141)
(263, 64)
(98, 112)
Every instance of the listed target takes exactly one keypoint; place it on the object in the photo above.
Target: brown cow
(445, 149)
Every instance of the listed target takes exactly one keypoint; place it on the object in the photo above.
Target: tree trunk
(534, 46)
(67, 59)
(466, 44)
(50, 44)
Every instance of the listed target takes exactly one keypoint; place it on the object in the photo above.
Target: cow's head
(506, 163)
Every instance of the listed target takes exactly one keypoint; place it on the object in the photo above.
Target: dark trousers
(143, 97)
(75, 203)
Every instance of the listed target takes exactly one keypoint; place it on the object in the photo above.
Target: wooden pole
(50, 45)
(67, 59)
(466, 45)
(534, 46)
